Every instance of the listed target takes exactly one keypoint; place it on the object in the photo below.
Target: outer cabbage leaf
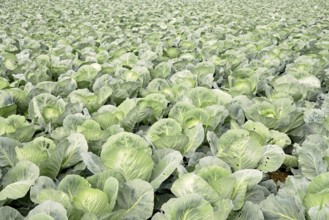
(107, 117)
(196, 116)
(41, 216)
(16, 126)
(73, 184)
(7, 105)
(55, 196)
(222, 209)
(184, 78)
(318, 192)
(244, 153)
(17, 182)
(136, 197)
(53, 209)
(250, 211)
(218, 178)
(111, 188)
(319, 184)
(91, 130)
(7, 151)
(155, 101)
(44, 153)
(89, 216)
(217, 116)
(131, 162)
(8, 212)
(257, 130)
(314, 200)
(244, 179)
(125, 139)
(209, 161)
(191, 206)
(86, 74)
(273, 158)
(279, 138)
(134, 116)
(318, 212)
(176, 142)
(93, 162)
(77, 145)
(92, 101)
(310, 158)
(128, 59)
(294, 187)
(92, 201)
(36, 151)
(193, 184)
(204, 71)
(179, 110)
(162, 70)
(41, 183)
(202, 97)
(164, 127)
(276, 207)
(167, 162)
(98, 180)
(195, 136)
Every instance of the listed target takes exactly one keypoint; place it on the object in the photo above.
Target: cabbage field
(164, 110)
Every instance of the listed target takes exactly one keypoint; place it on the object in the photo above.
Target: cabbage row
(164, 110)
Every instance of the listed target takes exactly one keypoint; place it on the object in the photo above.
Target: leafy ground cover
(184, 110)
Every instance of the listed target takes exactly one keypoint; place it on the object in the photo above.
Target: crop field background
(164, 110)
